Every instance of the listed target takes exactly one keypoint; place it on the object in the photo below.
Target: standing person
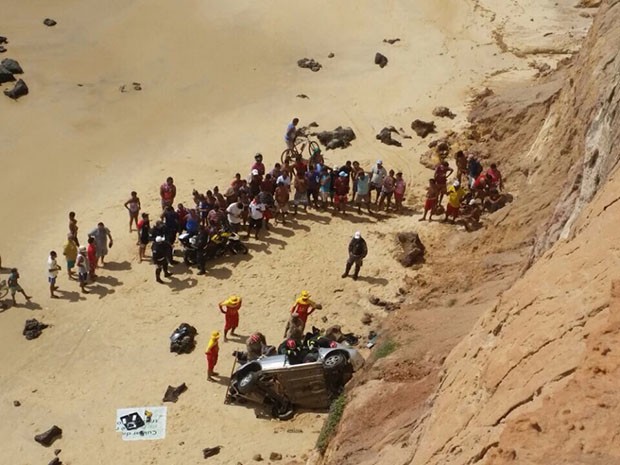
(91, 252)
(161, 254)
(52, 273)
(301, 192)
(461, 165)
(230, 308)
(341, 190)
(455, 195)
(73, 227)
(70, 251)
(171, 222)
(363, 191)
(101, 235)
(474, 168)
(399, 191)
(281, 200)
(144, 235)
(496, 176)
(14, 287)
(325, 188)
(256, 217)
(81, 264)
(234, 213)
(432, 193)
(387, 190)
(258, 164)
(167, 192)
(211, 353)
(304, 307)
(133, 207)
(442, 171)
(284, 178)
(357, 252)
(377, 175)
(356, 169)
(291, 133)
(312, 179)
(181, 215)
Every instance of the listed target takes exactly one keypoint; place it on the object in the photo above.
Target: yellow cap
(305, 295)
(232, 300)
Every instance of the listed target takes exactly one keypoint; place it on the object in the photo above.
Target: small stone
(324, 319)
(302, 96)
(57, 451)
(309, 63)
(331, 55)
(182, 443)
(257, 458)
(391, 41)
(19, 90)
(423, 128)
(275, 456)
(381, 60)
(294, 430)
(48, 437)
(2, 49)
(16, 403)
(366, 319)
(211, 451)
(443, 112)
(55, 461)
(3, 40)
(49, 22)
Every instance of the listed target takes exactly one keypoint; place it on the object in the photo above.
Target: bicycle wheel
(288, 153)
(313, 147)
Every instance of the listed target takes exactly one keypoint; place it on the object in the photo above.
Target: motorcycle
(229, 240)
(190, 249)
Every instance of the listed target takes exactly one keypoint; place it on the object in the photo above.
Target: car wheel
(283, 412)
(334, 361)
(247, 383)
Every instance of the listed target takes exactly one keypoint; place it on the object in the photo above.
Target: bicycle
(296, 152)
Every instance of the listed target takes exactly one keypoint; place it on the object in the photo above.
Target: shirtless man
(167, 192)
(73, 228)
(432, 193)
(301, 192)
(282, 197)
(442, 172)
(133, 207)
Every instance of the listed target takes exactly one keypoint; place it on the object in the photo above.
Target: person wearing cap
(211, 352)
(255, 182)
(341, 190)
(257, 211)
(81, 263)
(52, 273)
(230, 308)
(357, 252)
(377, 174)
(160, 258)
(304, 307)
(456, 193)
(291, 133)
(258, 164)
(144, 231)
(70, 251)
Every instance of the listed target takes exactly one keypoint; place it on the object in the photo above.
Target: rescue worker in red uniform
(230, 308)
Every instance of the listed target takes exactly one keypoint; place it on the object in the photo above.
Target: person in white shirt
(285, 179)
(256, 217)
(52, 273)
(377, 175)
(234, 211)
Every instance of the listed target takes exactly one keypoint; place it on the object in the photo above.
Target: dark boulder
(182, 339)
(338, 138)
(49, 22)
(423, 128)
(381, 60)
(12, 66)
(172, 393)
(4, 40)
(47, 438)
(6, 75)
(19, 90)
(33, 329)
(443, 112)
(55, 461)
(385, 136)
(413, 249)
(211, 451)
(2, 49)
(309, 63)
(391, 41)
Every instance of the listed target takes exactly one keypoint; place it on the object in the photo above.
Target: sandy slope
(219, 83)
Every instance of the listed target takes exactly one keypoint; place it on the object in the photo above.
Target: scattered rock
(49, 22)
(423, 128)
(388, 306)
(381, 60)
(33, 329)
(55, 461)
(391, 41)
(257, 458)
(6, 75)
(275, 456)
(338, 138)
(413, 249)
(443, 112)
(57, 451)
(294, 430)
(302, 96)
(324, 319)
(16, 403)
(314, 124)
(136, 86)
(309, 63)
(385, 136)
(12, 66)
(48, 437)
(588, 4)
(19, 90)
(211, 451)
(182, 339)
(334, 333)
(367, 319)
(2, 49)
(3, 40)
(331, 55)
(172, 393)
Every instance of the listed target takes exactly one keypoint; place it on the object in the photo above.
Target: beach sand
(219, 82)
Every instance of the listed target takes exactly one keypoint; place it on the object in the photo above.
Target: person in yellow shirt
(70, 251)
(303, 307)
(455, 196)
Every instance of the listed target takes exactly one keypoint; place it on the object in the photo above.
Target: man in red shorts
(442, 172)
(341, 189)
(455, 195)
(431, 199)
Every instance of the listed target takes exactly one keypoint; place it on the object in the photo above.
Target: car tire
(283, 412)
(248, 381)
(334, 361)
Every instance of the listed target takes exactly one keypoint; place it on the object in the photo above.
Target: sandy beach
(219, 82)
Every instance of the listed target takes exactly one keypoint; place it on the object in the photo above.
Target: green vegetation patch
(385, 348)
(336, 410)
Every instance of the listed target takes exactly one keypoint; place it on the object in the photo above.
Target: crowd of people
(471, 191)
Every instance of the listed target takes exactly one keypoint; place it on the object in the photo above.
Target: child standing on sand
(14, 286)
(133, 207)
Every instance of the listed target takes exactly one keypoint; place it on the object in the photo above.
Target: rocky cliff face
(534, 382)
